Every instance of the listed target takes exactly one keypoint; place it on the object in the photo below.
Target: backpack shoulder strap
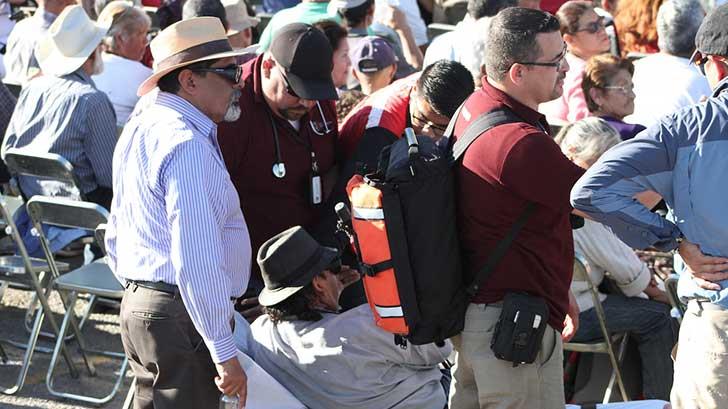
(483, 123)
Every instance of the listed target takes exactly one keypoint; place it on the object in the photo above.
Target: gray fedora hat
(288, 262)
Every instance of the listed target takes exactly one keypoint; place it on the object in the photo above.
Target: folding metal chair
(36, 274)
(95, 278)
(48, 167)
(606, 346)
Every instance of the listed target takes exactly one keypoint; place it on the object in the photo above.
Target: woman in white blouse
(125, 46)
(642, 308)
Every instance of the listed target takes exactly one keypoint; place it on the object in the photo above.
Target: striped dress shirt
(176, 217)
(67, 116)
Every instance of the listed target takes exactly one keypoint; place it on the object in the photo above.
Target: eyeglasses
(593, 27)
(557, 63)
(623, 89)
(699, 60)
(335, 265)
(425, 123)
(231, 73)
(289, 89)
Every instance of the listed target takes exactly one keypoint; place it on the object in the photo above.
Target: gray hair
(475, 59)
(677, 24)
(587, 139)
(125, 24)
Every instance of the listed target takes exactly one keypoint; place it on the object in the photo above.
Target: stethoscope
(279, 167)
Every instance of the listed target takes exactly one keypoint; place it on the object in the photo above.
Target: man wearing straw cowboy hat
(63, 112)
(176, 236)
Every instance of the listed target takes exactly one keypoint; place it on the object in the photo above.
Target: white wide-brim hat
(69, 42)
(187, 42)
(237, 16)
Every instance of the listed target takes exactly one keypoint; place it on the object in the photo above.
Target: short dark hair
(355, 15)
(570, 13)
(295, 307)
(205, 8)
(333, 31)
(444, 85)
(488, 8)
(512, 38)
(170, 83)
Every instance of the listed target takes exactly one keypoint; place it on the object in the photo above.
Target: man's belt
(154, 285)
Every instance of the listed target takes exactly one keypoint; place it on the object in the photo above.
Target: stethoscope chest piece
(279, 170)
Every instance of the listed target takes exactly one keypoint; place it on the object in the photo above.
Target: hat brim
(269, 297)
(151, 82)
(247, 22)
(313, 90)
(52, 62)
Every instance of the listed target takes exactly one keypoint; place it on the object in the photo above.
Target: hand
(249, 308)
(706, 270)
(656, 294)
(571, 322)
(348, 276)
(232, 380)
(394, 18)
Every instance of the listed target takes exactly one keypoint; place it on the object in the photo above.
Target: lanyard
(279, 167)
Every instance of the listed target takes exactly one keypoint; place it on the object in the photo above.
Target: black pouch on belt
(520, 328)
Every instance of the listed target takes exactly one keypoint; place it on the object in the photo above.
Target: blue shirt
(176, 217)
(67, 116)
(683, 158)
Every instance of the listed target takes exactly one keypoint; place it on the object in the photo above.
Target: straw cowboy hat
(187, 42)
(69, 42)
(237, 16)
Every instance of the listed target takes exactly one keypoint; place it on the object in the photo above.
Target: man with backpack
(514, 174)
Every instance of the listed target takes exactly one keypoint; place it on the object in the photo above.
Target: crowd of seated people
(270, 122)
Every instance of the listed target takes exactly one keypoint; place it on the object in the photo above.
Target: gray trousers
(171, 363)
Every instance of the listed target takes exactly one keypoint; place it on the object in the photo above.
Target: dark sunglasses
(289, 89)
(335, 265)
(231, 73)
(593, 27)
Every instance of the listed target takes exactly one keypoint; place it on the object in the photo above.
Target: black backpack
(419, 292)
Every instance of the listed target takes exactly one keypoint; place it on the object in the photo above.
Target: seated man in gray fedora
(327, 359)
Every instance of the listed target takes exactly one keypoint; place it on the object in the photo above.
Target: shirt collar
(81, 74)
(531, 116)
(197, 119)
(47, 17)
(722, 86)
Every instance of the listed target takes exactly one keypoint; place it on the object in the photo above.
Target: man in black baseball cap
(281, 152)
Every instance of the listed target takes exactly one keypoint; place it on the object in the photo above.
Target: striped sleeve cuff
(222, 350)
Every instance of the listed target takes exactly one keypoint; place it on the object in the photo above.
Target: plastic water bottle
(229, 402)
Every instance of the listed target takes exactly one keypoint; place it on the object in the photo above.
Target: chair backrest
(581, 273)
(13, 88)
(101, 236)
(47, 167)
(64, 212)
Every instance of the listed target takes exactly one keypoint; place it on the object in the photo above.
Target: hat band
(193, 53)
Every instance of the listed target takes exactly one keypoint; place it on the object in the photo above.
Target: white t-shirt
(119, 80)
(663, 84)
(410, 9)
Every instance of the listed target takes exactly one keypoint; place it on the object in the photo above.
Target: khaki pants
(701, 364)
(480, 380)
(171, 363)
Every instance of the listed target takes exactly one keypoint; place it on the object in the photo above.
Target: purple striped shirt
(176, 216)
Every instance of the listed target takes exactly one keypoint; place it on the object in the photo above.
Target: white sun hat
(69, 42)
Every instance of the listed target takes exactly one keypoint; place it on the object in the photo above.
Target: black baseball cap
(372, 54)
(712, 36)
(306, 56)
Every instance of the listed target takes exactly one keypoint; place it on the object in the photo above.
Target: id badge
(316, 190)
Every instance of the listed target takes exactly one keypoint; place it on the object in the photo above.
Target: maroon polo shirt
(501, 172)
(270, 204)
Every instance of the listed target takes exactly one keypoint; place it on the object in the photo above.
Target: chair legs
(129, 401)
(616, 362)
(70, 303)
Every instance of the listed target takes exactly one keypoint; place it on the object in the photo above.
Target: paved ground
(101, 332)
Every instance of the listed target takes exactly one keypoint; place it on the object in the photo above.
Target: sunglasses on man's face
(593, 27)
(289, 89)
(231, 73)
(699, 60)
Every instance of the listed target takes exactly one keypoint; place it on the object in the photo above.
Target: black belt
(160, 286)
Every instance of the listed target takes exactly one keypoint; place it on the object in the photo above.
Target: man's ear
(318, 284)
(516, 74)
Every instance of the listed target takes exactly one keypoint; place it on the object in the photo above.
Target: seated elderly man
(62, 112)
(328, 359)
(647, 320)
(125, 46)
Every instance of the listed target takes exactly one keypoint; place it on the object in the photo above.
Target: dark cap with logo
(712, 37)
(306, 56)
(372, 54)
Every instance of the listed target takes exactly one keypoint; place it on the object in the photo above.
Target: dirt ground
(100, 332)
